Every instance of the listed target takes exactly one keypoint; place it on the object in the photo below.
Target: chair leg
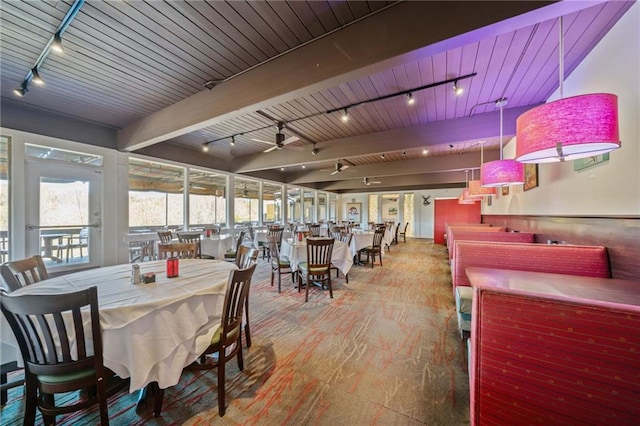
(279, 281)
(31, 397)
(272, 275)
(158, 398)
(247, 330)
(346, 276)
(240, 357)
(308, 284)
(330, 287)
(221, 367)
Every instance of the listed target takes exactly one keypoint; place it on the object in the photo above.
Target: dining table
(151, 331)
(216, 245)
(296, 252)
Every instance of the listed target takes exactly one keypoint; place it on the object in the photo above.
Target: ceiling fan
(340, 166)
(368, 182)
(281, 141)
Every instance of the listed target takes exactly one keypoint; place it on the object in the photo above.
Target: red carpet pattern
(384, 351)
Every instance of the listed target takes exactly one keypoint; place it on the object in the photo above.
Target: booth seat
(588, 261)
(554, 351)
(505, 237)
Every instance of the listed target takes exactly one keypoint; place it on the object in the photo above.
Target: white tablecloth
(360, 240)
(152, 331)
(389, 235)
(216, 245)
(296, 251)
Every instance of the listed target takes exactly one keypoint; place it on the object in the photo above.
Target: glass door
(63, 214)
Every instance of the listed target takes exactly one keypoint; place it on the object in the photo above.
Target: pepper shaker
(135, 274)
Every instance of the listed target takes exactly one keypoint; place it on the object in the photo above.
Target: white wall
(613, 187)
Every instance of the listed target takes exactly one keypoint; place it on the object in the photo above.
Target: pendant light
(465, 198)
(475, 186)
(501, 172)
(569, 128)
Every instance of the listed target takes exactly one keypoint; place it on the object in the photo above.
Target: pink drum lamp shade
(476, 188)
(502, 173)
(568, 129)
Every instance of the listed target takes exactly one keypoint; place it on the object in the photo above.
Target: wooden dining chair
(403, 234)
(317, 268)
(246, 257)
(279, 264)
(179, 250)
(79, 241)
(193, 237)
(165, 236)
(345, 238)
(375, 249)
(230, 255)
(60, 340)
(19, 273)
(276, 232)
(227, 341)
(314, 230)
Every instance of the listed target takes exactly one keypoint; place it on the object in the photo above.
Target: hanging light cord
(561, 61)
(501, 108)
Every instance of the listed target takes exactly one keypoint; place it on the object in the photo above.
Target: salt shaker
(135, 274)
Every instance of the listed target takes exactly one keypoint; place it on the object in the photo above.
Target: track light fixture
(233, 140)
(22, 90)
(345, 115)
(315, 150)
(36, 77)
(382, 156)
(304, 166)
(56, 46)
(410, 99)
(205, 147)
(457, 89)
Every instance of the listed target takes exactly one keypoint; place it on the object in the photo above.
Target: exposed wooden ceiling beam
(332, 60)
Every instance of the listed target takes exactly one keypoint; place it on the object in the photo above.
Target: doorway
(63, 221)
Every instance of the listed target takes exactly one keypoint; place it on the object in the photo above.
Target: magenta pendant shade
(477, 190)
(568, 129)
(502, 173)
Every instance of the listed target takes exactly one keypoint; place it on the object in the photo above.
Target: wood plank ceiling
(126, 62)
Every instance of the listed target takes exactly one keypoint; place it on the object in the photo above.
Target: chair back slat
(277, 232)
(179, 250)
(41, 325)
(377, 237)
(273, 246)
(314, 230)
(319, 252)
(191, 237)
(165, 236)
(245, 256)
(23, 272)
(234, 302)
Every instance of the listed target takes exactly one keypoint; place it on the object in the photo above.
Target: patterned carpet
(384, 351)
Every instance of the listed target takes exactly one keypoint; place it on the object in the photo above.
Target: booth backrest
(589, 261)
(471, 228)
(505, 237)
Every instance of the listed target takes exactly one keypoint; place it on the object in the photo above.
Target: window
(309, 206)
(5, 143)
(246, 198)
(408, 213)
(271, 203)
(373, 208)
(322, 208)
(207, 198)
(155, 195)
(294, 205)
